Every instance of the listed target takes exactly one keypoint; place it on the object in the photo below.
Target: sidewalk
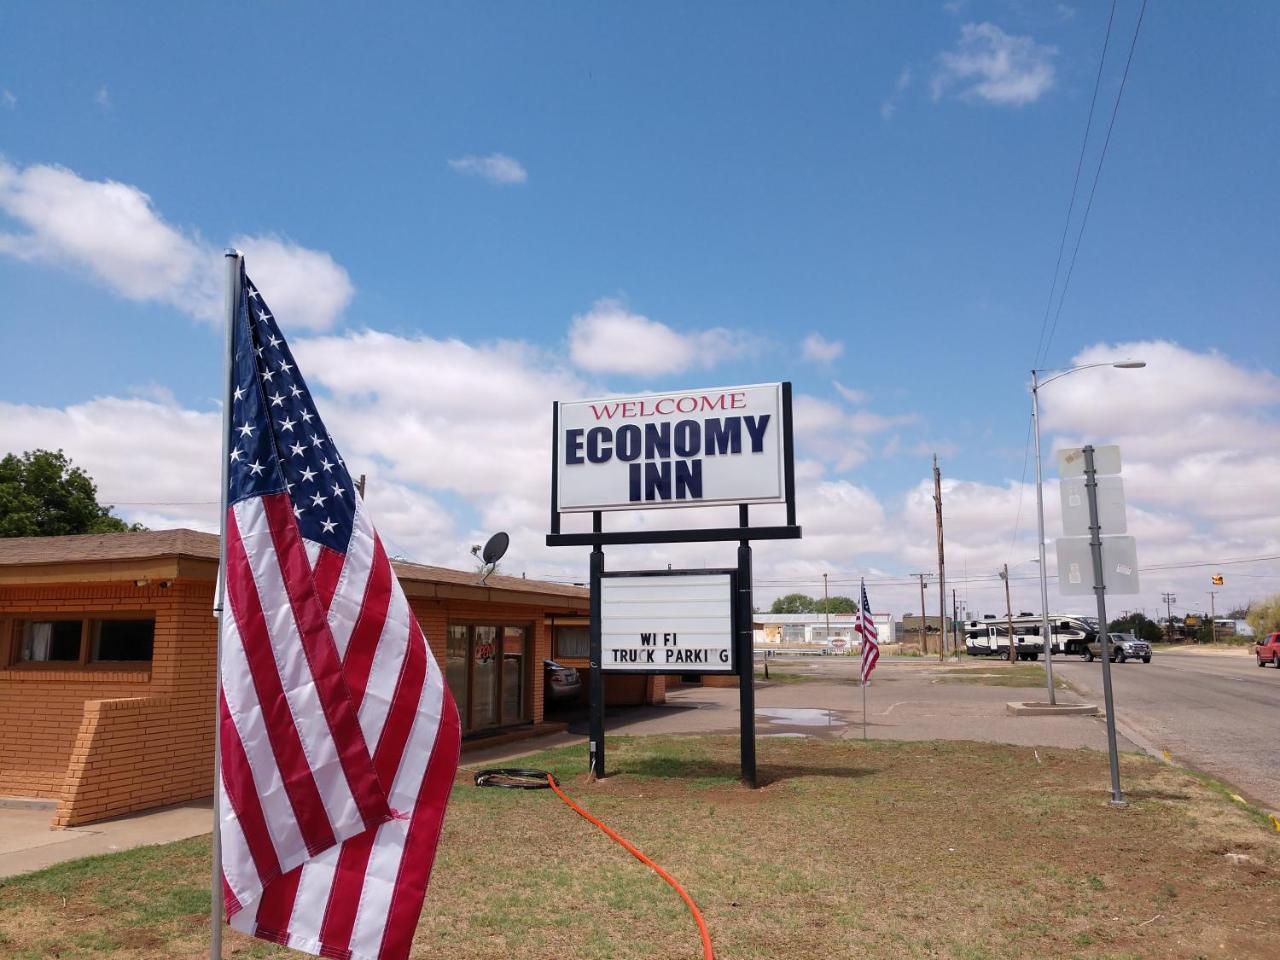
(27, 843)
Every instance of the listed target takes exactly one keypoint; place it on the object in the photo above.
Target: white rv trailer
(990, 635)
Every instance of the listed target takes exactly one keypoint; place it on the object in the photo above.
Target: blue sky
(771, 171)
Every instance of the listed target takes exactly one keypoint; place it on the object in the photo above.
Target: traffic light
(1217, 579)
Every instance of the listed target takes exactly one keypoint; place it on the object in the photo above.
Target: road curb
(1032, 708)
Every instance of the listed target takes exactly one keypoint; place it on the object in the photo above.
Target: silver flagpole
(862, 616)
(232, 259)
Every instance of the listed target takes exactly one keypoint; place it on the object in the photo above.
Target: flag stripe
(326, 569)
(388, 664)
(267, 779)
(423, 838)
(358, 659)
(242, 794)
(375, 924)
(326, 669)
(286, 745)
(403, 718)
(344, 609)
(276, 907)
(344, 897)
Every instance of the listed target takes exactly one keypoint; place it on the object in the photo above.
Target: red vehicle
(1268, 651)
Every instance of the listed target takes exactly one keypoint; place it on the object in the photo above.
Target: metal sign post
(595, 679)
(746, 659)
(1100, 590)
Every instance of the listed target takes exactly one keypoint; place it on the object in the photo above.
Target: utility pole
(942, 562)
(1169, 600)
(1213, 617)
(1008, 608)
(924, 627)
(826, 606)
(360, 486)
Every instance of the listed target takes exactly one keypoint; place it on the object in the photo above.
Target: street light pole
(1045, 629)
(1036, 384)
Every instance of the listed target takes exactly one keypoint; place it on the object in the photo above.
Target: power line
(1075, 184)
(1097, 174)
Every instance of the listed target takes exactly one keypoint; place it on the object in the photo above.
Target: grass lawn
(1002, 673)
(852, 849)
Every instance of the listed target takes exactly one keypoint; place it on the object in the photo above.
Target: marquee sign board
(726, 445)
(667, 621)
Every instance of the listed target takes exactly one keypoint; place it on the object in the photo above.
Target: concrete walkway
(907, 700)
(27, 843)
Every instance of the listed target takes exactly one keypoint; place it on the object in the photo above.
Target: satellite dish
(496, 548)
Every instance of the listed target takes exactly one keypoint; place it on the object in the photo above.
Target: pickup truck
(1268, 650)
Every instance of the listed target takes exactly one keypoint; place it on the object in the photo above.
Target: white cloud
(7, 99)
(990, 65)
(112, 232)
(496, 168)
(819, 349)
(849, 393)
(890, 105)
(103, 97)
(609, 338)
(305, 287)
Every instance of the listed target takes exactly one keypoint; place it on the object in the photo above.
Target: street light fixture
(1036, 384)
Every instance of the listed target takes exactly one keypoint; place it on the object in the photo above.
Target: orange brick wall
(66, 735)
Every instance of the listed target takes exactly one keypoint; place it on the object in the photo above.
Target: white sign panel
(1119, 566)
(1075, 506)
(680, 449)
(1106, 460)
(668, 623)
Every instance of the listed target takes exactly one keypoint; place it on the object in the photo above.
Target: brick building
(107, 650)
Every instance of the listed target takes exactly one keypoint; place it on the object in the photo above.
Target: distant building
(800, 630)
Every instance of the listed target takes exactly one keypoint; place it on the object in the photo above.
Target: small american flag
(339, 738)
(866, 625)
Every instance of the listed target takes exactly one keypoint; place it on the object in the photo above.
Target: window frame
(12, 624)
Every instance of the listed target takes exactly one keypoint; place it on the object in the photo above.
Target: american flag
(339, 738)
(866, 625)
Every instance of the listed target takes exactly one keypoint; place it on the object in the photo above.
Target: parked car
(1124, 646)
(1268, 650)
(563, 683)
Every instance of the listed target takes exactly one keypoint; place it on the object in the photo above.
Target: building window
(573, 642)
(85, 640)
(122, 640)
(51, 641)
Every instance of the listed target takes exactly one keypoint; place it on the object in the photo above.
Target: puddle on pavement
(800, 716)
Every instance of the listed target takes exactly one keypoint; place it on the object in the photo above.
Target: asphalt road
(1216, 712)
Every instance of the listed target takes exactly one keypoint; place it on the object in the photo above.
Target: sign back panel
(683, 449)
(667, 622)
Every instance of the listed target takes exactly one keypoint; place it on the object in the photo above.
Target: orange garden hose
(693, 908)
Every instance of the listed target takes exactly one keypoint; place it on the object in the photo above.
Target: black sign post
(741, 606)
(744, 614)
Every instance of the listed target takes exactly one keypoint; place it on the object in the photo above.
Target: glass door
(513, 674)
(485, 677)
(455, 671)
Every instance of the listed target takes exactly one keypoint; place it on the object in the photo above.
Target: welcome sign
(682, 449)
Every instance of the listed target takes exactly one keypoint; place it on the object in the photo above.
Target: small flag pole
(233, 260)
(862, 617)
